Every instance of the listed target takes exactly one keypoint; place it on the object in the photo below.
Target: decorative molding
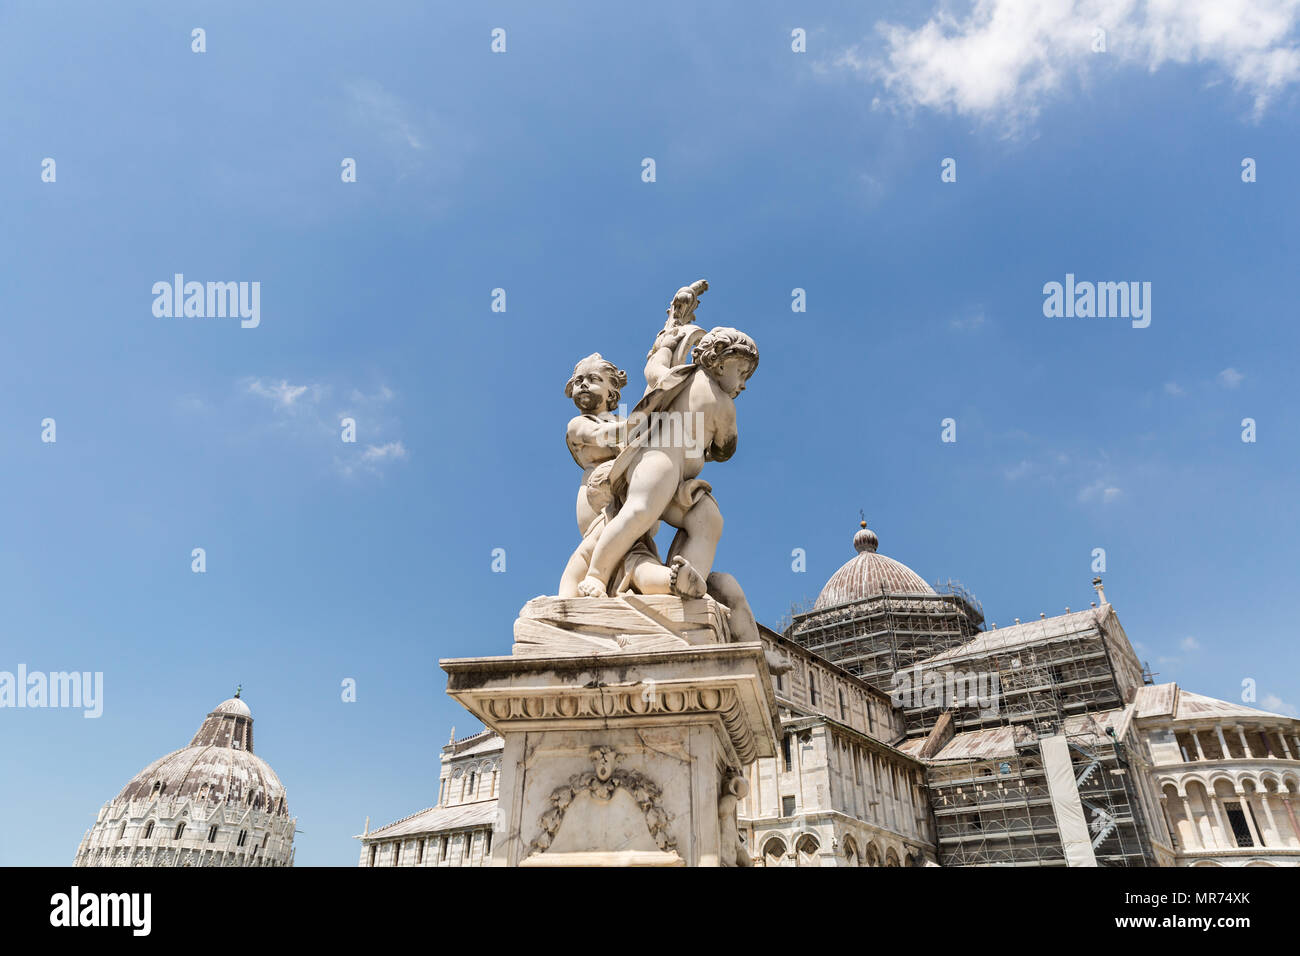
(600, 784)
(633, 700)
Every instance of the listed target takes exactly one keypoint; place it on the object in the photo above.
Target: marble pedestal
(630, 753)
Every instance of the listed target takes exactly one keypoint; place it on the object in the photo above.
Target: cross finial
(238, 689)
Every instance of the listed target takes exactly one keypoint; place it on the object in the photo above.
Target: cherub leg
(652, 481)
(576, 569)
(701, 529)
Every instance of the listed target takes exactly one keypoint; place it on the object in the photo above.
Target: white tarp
(1070, 820)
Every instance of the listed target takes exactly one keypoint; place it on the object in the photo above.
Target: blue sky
(522, 170)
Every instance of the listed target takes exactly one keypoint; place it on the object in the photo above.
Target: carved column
(1245, 745)
(1221, 835)
(1196, 833)
(1268, 815)
(1295, 828)
(1223, 743)
(1200, 754)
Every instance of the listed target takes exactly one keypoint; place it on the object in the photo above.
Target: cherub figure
(593, 435)
(594, 438)
(650, 480)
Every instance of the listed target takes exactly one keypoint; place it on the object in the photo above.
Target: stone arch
(773, 850)
(873, 854)
(891, 857)
(1266, 777)
(1222, 777)
(807, 849)
(1207, 863)
(1291, 780)
(1260, 863)
(850, 852)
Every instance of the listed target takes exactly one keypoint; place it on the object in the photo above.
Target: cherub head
(728, 356)
(681, 310)
(596, 384)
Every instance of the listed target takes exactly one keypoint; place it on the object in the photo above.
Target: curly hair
(617, 378)
(721, 343)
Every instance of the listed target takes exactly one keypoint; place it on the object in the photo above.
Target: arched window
(148, 830)
(806, 850)
(773, 851)
(180, 829)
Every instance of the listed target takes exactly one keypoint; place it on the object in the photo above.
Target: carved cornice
(629, 701)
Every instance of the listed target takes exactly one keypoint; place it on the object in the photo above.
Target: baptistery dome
(213, 803)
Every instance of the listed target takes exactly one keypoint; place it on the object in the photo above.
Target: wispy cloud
(1174, 389)
(366, 444)
(1099, 491)
(1190, 644)
(968, 323)
(373, 106)
(1230, 378)
(1277, 705)
(1004, 60)
(284, 396)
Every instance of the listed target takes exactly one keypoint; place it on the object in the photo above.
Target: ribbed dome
(218, 766)
(869, 573)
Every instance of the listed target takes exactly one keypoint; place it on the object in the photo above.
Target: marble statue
(652, 479)
(634, 474)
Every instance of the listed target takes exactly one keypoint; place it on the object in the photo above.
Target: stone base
(622, 759)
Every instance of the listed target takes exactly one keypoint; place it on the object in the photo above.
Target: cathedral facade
(914, 735)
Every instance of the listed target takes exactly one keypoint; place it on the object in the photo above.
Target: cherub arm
(584, 432)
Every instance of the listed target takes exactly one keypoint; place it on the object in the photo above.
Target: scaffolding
(873, 638)
(992, 805)
(1046, 672)
(995, 810)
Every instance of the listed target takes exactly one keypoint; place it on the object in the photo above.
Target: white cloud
(1100, 491)
(1005, 59)
(1190, 644)
(1019, 470)
(1173, 388)
(282, 394)
(375, 106)
(967, 324)
(1277, 705)
(1230, 378)
(372, 459)
(392, 450)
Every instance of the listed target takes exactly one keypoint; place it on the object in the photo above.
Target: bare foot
(590, 587)
(686, 581)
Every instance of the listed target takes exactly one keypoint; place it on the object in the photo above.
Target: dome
(233, 706)
(218, 766)
(212, 803)
(869, 573)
